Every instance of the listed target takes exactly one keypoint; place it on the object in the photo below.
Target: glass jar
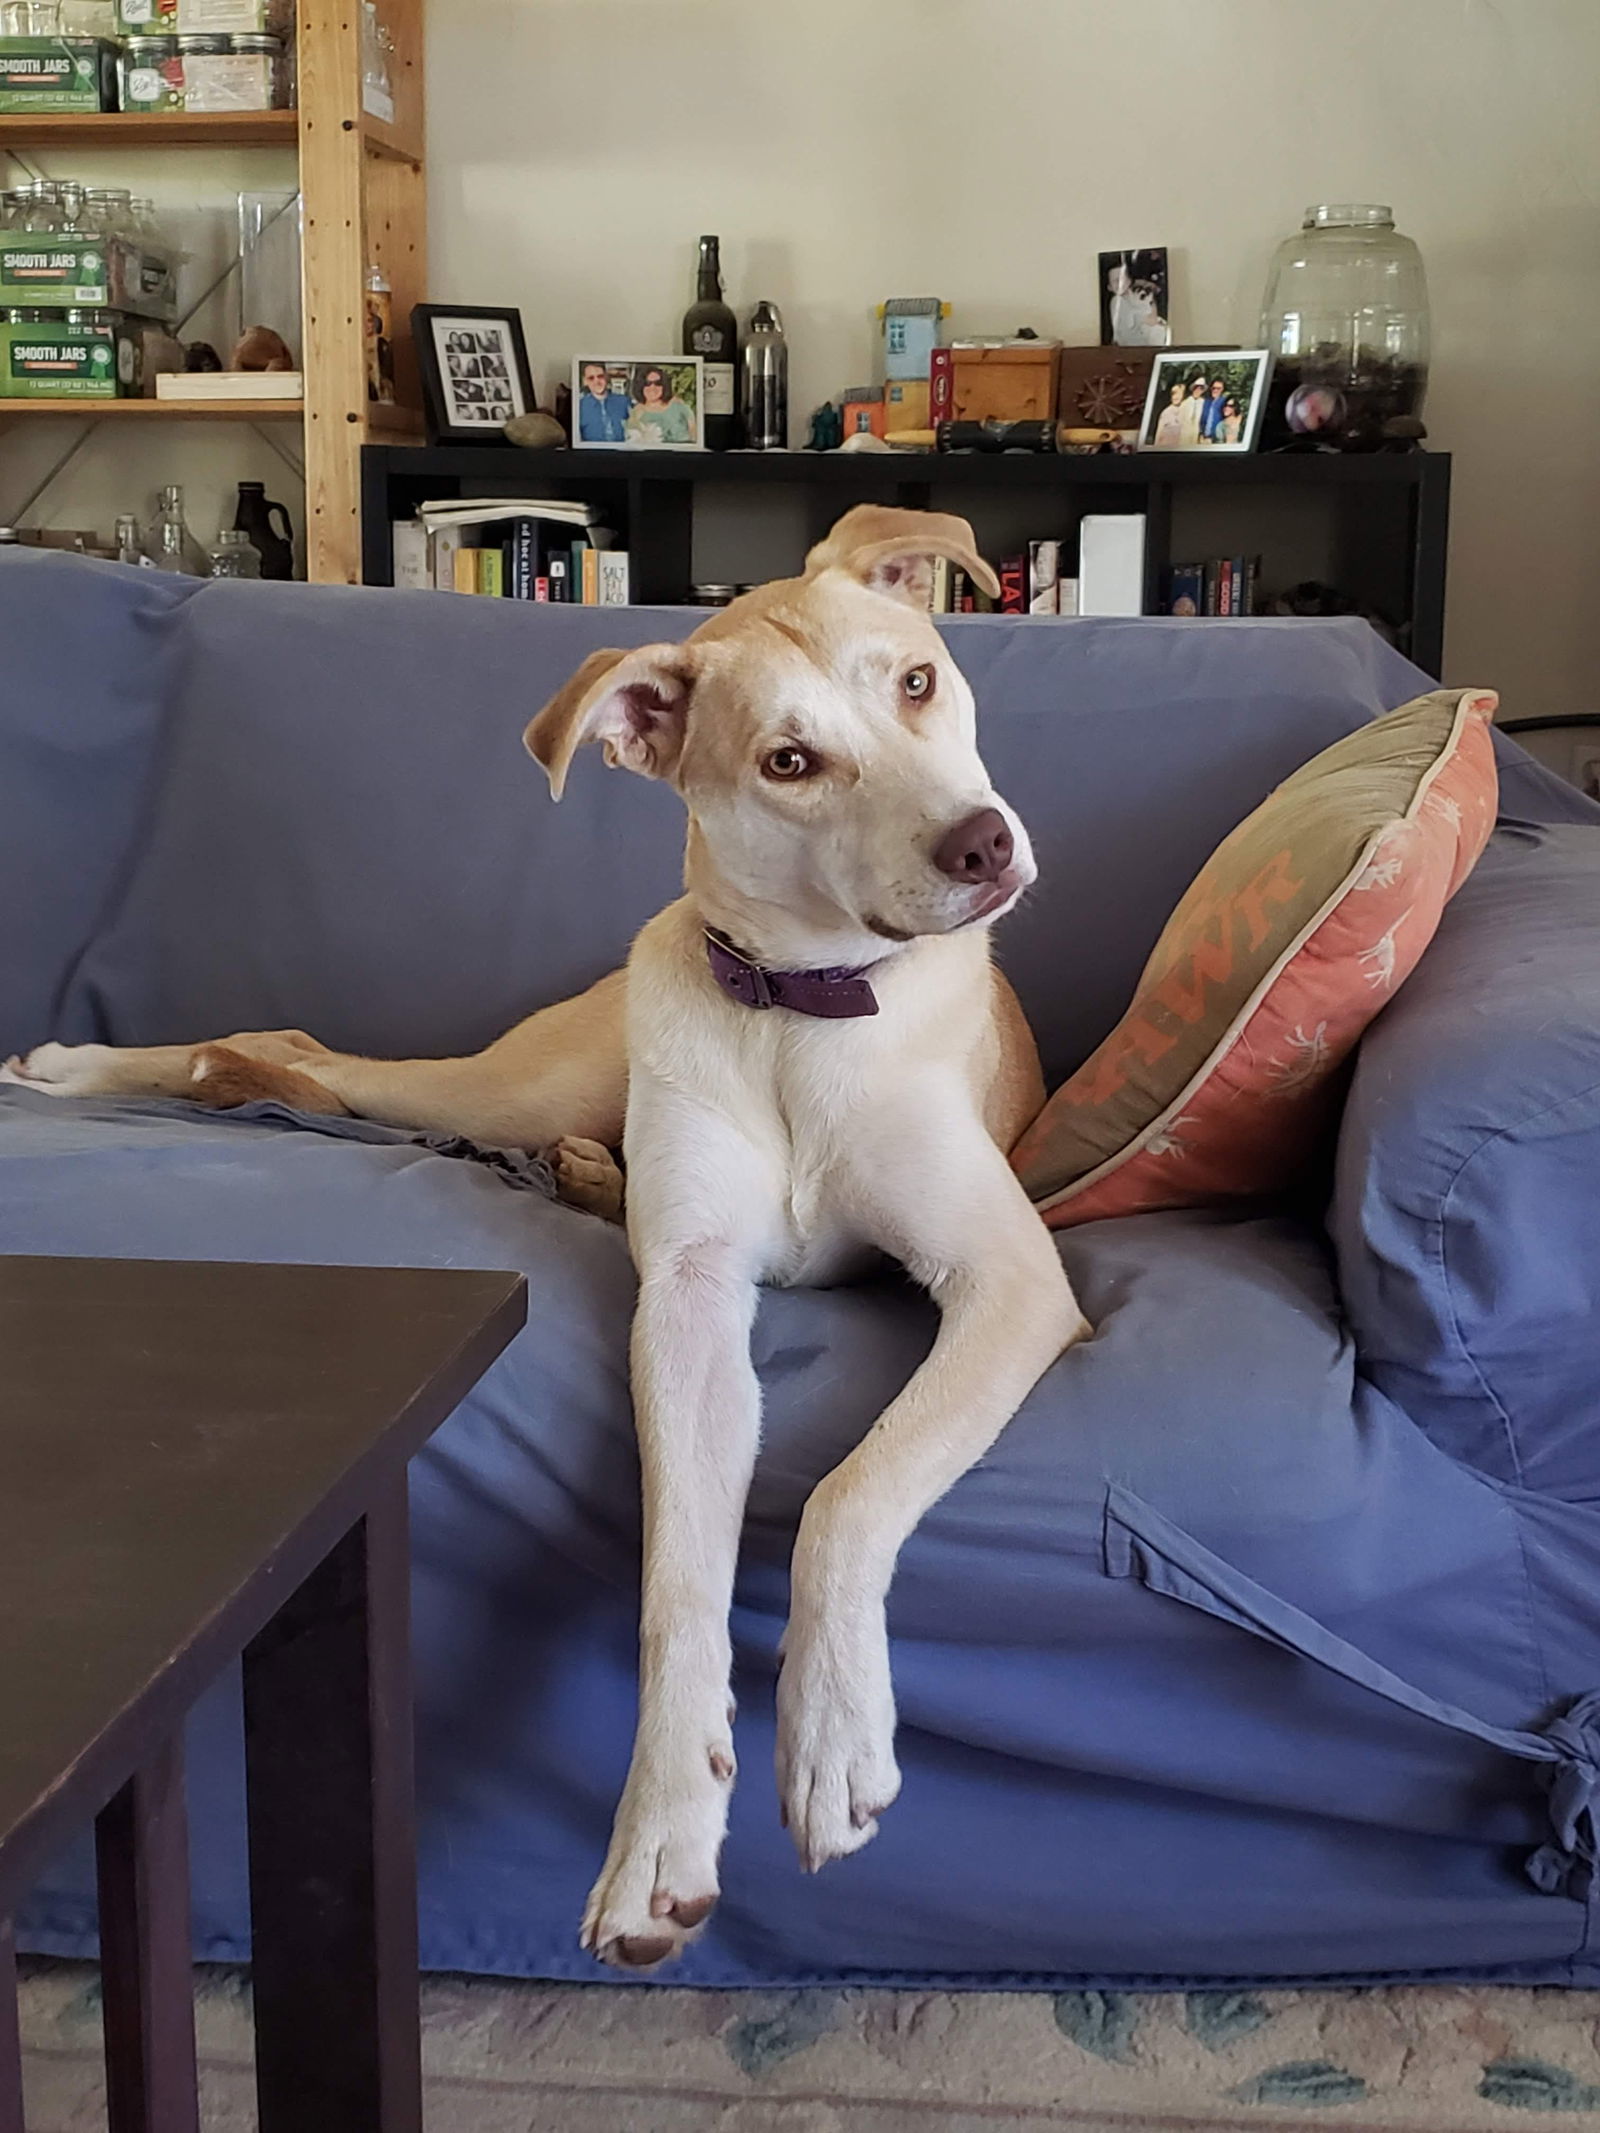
(107, 213)
(70, 199)
(233, 555)
(1346, 317)
(30, 18)
(151, 74)
(40, 208)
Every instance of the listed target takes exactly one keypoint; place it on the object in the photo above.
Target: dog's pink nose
(978, 849)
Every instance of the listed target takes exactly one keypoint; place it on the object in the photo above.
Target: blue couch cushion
(1467, 1206)
(88, 659)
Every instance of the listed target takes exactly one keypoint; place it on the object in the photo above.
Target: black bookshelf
(1375, 526)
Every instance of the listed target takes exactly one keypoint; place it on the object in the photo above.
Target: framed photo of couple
(654, 403)
(1206, 400)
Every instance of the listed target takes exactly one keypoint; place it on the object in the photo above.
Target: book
(1185, 589)
(1212, 604)
(484, 510)
(524, 546)
(442, 549)
(541, 589)
(612, 574)
(1111, 563)
(939, 597)
(1014, 585)
(1247, 571)
(464, 568)
(576, 554)
(409, 538)
(1066, 596)
(230, 385)
(491, 571)
(1044, 575)
(558, 569)
(591, 577)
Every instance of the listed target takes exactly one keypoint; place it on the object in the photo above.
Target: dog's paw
(61, 1069)
(587, 1177)
(659, 1883)
(835, 1758)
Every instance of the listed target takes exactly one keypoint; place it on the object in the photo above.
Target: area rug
(504, 2057)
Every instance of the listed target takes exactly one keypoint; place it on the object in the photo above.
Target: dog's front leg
(697, 1412)
(966, 1230)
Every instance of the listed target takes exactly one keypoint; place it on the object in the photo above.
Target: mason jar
(1346, 316)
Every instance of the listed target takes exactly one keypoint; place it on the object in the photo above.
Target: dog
(809, 1060)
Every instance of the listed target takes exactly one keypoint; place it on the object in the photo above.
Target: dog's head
(824, 743)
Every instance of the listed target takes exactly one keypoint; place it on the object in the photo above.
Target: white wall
(985, 150)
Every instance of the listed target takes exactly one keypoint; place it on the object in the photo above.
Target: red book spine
(1014, 585)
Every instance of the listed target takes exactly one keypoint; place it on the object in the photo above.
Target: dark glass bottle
(711, 332)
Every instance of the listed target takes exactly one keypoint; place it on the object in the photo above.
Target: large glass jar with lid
(1346, 317)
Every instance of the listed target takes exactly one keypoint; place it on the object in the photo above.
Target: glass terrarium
(1346, 316)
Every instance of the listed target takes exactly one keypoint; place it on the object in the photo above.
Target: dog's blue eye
(918, 684)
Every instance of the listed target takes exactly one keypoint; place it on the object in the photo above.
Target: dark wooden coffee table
(199, 1461)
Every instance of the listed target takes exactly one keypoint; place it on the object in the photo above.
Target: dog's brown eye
(787, 764)
(918, 684)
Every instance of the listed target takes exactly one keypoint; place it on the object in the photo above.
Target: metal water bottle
(764, 382)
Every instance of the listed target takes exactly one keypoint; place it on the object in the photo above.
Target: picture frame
(1135, 299)
(1206, 400)
(646, 403)
(474, 366)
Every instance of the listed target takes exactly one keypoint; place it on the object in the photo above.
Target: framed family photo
(654, 403)
(475, 374)
(1206, 400)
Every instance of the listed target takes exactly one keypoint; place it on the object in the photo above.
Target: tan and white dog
(817, 1062)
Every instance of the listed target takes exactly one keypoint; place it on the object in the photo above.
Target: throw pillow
(1299, 928)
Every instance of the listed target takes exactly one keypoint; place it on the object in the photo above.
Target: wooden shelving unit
(363, 185)
(151, 410)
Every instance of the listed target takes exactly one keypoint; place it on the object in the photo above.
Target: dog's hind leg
(563, 1071)
(144, 1070)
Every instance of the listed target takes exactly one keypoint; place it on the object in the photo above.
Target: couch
(1263, 1646)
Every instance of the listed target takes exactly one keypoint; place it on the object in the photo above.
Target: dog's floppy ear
(892, 551)
(635, 704)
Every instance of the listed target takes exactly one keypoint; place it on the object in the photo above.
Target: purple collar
(831, 995)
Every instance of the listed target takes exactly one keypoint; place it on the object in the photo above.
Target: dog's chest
(820, 1119)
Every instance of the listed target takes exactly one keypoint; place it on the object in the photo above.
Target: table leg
(10, 2040)
(333, 1887)
(146, 1974)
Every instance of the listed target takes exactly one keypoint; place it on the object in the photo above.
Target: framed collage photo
(475, 374)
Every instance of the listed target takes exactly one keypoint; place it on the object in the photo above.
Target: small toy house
(910, 334)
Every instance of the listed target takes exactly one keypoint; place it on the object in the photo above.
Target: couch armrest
(1466, 1208)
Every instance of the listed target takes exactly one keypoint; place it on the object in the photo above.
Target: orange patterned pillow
(1296, 932)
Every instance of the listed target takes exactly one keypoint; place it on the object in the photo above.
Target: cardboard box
(54, 361)
(63, 271)
(236, 17)
(58, 74)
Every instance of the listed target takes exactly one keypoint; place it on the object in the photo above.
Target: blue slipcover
(1263, 1644)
